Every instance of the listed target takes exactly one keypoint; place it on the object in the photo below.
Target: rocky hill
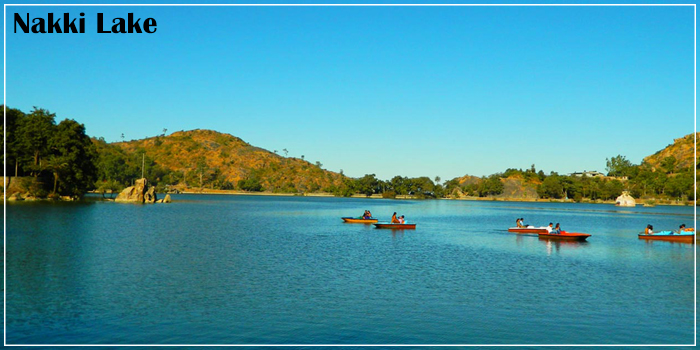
(682, 150)
(515, 186)
(203, 156)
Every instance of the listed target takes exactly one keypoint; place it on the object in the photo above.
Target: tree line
(68, 162)
(60, 154)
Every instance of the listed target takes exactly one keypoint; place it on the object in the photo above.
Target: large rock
(136, 193)
(150, 195)
(167, 199)
(625, 200)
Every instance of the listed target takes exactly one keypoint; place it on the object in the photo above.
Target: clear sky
(411, 91)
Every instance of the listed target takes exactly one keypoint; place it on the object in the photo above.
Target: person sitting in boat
(402, 220)
(518, 223)
(394, 219)
(549, 228)
(367, 215)
(523, 224)
(556, 230)
(649, 230)
(682, 229)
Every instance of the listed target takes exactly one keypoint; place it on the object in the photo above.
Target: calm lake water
(287, 270)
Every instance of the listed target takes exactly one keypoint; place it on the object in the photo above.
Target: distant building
(588, 173)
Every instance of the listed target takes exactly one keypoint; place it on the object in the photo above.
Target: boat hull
(360, 221)
(565, 236)
(396, 226)
(666, 236)
(527, 229)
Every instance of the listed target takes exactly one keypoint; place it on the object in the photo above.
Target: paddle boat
(360, 220)
(563, 235)
(529, 229)
(685, 236)
(395, 226)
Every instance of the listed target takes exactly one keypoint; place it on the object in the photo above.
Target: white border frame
(342, 5)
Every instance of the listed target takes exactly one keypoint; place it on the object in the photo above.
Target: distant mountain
(682, 150)
(205, 156)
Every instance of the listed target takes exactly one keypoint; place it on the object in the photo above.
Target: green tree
(367, 185)
(250, 184)
(668, 164)
(34, 134)
(551, 187)
(13, 118)
(491, 185)
(611, 189)
(680, 186)
(72, 159)
(398, 185)
(618, 166)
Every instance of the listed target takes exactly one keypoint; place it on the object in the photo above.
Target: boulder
(135, 193)
(167, 199)
(150, 195)
(15, 197)
(625, 200)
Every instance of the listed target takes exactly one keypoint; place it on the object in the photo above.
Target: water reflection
(651, 242)
(554, 245)
(396, 233)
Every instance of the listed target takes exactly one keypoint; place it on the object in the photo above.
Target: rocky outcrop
(167, 199)
(150, 195)
(625, 200)
(15, 197)
(140, 192)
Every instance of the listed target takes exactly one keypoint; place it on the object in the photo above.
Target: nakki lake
(211, 269)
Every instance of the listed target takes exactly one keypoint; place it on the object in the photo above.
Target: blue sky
(411, 91)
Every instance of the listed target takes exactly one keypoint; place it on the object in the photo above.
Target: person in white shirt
(549, 228)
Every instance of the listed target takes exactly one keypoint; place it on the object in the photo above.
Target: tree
(250, 184)
(13, 119)
(367, 184)
(34, 135)
(668, 164)
(618, 166)
(113, 164)
(612, 189)
(551, 187)
(398, 185)
(201, 169)
(57, 165)
(680, 186)
(491, 186)
(72, 159)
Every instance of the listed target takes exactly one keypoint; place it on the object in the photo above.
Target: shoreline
(379, 196)
(408, 197)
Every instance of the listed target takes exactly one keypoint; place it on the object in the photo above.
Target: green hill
(214, 160)
(676, 156)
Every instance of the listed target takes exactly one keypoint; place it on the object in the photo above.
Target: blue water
(286, 270)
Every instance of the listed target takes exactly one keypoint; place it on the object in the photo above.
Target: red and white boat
(565, 236)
